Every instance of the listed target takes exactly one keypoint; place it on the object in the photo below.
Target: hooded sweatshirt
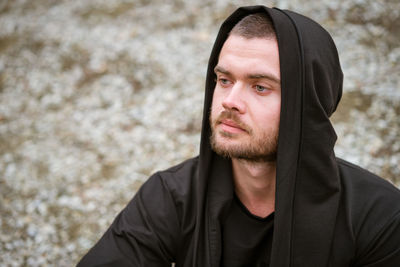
(328, 212)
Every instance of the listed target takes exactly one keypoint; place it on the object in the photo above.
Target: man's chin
(223, 146)
(227, 143)
(245, 156)
(228, 150)
(231, 149)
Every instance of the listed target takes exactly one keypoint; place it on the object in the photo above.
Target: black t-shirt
(246, 238)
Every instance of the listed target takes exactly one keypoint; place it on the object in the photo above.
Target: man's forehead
(255, 58)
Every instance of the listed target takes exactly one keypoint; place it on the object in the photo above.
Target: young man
(266, 189)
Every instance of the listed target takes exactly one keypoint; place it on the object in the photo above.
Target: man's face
(246, 104)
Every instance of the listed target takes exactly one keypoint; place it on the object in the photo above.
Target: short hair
(257, 25)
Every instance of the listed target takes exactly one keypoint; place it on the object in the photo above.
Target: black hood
(308, 184)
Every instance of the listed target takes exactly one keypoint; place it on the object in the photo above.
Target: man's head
(245, 109)
(257, 25)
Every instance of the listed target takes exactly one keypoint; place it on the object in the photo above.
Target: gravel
(97, 95)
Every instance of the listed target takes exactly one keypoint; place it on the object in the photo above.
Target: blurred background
(97, 95)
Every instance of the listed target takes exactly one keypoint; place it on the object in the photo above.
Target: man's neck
(255, 185)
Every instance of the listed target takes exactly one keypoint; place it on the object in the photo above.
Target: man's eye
(261, 89)
(223, 81)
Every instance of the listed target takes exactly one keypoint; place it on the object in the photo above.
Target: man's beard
(257, 148)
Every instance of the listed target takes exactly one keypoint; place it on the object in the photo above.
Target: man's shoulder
(371, 201)
(179, 179)
(186, 167)
(357, 180)
(371, 205)
(367, 196)
(364, 190)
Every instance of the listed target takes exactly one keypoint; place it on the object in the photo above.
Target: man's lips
(231, 126)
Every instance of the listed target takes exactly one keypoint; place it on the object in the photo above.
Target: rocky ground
(96, 95)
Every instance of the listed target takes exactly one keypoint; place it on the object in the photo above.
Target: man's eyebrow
(267, 76)
(221, 70)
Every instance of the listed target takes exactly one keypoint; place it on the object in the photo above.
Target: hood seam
(302, 75)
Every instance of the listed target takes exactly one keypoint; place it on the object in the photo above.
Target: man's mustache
(229, 115)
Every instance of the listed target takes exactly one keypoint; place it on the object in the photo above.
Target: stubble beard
(256, 148)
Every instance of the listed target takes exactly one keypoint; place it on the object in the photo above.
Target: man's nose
(234, 98)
